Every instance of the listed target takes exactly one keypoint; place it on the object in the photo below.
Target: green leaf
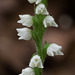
(45, 2)
(37, 71)
(44, 51)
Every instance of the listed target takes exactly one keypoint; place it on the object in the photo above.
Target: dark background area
(15, 55)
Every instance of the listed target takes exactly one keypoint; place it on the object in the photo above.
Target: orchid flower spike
(49, 21)
(26, 20)
(41, 9)
(36, 62)
(24, 33)
(35, 1)
(54, 49)
(27, 71)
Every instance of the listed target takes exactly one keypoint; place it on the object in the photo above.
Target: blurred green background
(15, 55)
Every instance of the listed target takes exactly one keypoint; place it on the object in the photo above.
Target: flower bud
(26, 20)
(27, 71)
(49, 21)
(24, 33)
(36, 62)
(41, 9)
(54, 49)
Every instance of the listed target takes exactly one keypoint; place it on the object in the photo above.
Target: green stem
(39, 48)
(38, 31)
(37, 34)
(38, 42)
(37, 71)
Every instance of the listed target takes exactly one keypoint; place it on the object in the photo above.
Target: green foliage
(45, 2)
(37, 71)
(44, 51)
(38, 31)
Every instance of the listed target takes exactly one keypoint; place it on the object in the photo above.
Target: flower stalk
(39, 22)
(38, 31)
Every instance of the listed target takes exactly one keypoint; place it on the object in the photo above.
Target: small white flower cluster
(41, 9)
(35, 62)
(54, 49)
(25, 33)
(27, 71)
(26, 20)
(48, 20)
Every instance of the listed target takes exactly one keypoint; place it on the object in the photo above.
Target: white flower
(27, 71)
(41, 9)
(49, 21)
(24, 33)
(36, 1)
(26, 20)
(54, 49)
(36, 62)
